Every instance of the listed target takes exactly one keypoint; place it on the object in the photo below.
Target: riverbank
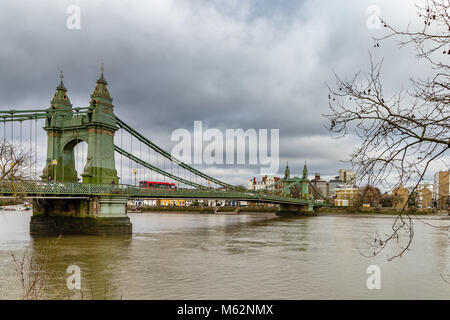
(381, 211)
(205, 210)
(319, 211)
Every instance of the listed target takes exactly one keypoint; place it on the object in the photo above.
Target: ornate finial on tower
(61, 84)
(101, 94)
(102, 78)
(287, 173)
(60, 99)
(305, 172)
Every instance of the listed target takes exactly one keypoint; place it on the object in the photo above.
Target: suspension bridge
(83, 192)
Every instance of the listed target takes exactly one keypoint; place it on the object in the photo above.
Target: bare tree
(15, 165)
(401, 133)
(32, 270)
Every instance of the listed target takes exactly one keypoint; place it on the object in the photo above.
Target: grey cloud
(232, 64)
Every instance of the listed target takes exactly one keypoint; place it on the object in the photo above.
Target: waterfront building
(191, 202)
(320, 185)
(426, 184)
(267, 182)
(332, 185)
(400, 197)
(142, 202)
(347, 176)
(441, 189)
(216, 202)
(173, 202)
(424, 198)
(346, 195)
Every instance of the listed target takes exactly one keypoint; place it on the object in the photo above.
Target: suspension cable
(31, 147)
(142, 162)
(21, 135)
(169, 156)
(121, 155)
(140, 157)
(35, 148)
(131, 165)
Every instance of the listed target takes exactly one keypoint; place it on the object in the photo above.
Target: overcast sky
(232, 64)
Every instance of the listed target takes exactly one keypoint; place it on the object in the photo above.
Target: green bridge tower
(65, 129)
(299, 185)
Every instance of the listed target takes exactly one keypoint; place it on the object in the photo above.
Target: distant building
(424, 198)
(426, 184)
(142, 203)
(347, 176)
(441, 189)
(320, 185)
(267, 182)
(346, 195)
(216, 202)
(243, 203)
(192, 202)
(232, 203)
(173, 202)
(400, 197)
(332, 185)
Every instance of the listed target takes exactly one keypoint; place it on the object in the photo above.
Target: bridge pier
(86, 216)
(295, 210)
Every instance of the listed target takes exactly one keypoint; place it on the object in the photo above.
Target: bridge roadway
(39, 189)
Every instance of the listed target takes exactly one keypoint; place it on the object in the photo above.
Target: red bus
(152, 185)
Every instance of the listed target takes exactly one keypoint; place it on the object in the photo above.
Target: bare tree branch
(401, 133)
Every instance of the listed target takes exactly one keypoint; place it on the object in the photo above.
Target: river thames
(245, 256)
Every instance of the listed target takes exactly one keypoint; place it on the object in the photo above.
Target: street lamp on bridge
(12, 164)
(54, 163)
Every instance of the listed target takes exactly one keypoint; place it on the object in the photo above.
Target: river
(246, 256)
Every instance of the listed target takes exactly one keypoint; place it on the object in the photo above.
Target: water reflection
(97, 259)
(256, 256)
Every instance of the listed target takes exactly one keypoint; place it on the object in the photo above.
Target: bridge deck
(33, 189)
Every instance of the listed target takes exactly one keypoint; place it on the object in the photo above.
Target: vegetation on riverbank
(176, 209)
(386, 211)
(10, 202)
(322, 210)
(203, 209)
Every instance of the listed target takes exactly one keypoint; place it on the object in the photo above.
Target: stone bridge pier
(85, 216)
(65, 129)
(293, 210)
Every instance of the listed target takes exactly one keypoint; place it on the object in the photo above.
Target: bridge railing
(40, 188)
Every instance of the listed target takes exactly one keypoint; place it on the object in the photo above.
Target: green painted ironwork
(162, 172)
(167, 155)
(96, 124)
(65, 130)
(39, 188)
